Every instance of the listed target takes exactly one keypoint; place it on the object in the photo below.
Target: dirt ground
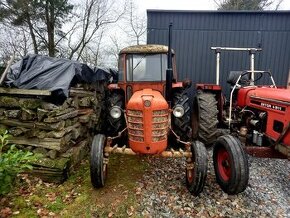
(151, 187)
(76, 198)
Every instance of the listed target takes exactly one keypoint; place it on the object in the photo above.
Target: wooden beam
(61, 144)
(49, 143)
(45, 126)
(3, 76)
(15, 102)
(68, 115)
(80, 93)
(13, 91)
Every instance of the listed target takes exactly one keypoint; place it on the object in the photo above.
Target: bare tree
(136, 24)
(93, 52)
(112, 50)
(278, 4)
(247, 4)
(95, 15)
(14, 40)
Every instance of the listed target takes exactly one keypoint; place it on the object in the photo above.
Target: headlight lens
(115, 112)
(178, 111)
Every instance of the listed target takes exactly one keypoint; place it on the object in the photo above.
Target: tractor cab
(144, 66)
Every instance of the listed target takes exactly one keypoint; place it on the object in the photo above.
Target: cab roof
(141, 49)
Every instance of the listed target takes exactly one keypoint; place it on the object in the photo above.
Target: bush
(12, 162)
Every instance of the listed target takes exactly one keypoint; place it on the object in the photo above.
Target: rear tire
(196, 177)
(204, 119)
(98, 169)
(230, 164)
(182, 125)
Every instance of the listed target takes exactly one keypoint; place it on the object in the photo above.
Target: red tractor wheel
(230, 164)
(196, 176)
(97, 166)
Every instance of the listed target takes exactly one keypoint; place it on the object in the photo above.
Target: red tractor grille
(135, 125)
(159, 125)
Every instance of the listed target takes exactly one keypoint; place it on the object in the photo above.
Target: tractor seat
(233, 77)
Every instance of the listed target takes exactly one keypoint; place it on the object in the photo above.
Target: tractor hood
(280, 96)
(270, 93)
(147, 116)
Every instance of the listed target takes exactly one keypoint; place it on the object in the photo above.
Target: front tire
(230, 164)
(196, 177)
(98, 168)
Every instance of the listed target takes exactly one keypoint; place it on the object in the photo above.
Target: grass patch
(77, 198)
(57, 206)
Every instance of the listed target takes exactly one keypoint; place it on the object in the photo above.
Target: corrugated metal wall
(194, 32)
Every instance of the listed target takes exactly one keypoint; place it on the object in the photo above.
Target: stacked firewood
(60, 133)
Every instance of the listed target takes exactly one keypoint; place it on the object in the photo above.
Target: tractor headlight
(115, 112)
(178, 111)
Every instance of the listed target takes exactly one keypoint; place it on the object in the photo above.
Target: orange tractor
(146, 109)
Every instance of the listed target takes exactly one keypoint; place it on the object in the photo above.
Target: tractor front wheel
(230, 164)
(197, 171)
(97, 166)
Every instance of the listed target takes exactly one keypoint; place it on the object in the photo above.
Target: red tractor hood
(246, 94)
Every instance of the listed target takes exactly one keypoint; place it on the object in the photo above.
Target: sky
(177, 4)
(188, 4)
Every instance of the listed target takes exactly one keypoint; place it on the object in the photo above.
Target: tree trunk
(49, 14)
(35, 48)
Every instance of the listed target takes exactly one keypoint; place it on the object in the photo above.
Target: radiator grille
(159, 125)
(135, 125)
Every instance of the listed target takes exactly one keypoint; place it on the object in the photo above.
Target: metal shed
(194, 32)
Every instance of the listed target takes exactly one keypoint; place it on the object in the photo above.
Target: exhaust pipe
(169, 71)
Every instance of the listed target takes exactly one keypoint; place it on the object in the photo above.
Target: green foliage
(44, 19)
(244, 4)
(12, 162)
(20, 12)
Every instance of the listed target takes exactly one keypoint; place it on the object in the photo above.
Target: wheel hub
(224, 167)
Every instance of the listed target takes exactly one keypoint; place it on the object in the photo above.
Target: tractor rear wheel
(230, 164)
(182, 125)
(204, 118)
(98, 168)
(196, 176)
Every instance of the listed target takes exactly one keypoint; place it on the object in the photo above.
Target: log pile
(61, 134)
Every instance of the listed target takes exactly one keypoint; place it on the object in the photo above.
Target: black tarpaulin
(54, 74)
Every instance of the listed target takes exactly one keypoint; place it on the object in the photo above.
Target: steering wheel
(259, 77)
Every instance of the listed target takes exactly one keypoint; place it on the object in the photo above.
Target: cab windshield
(146, 67)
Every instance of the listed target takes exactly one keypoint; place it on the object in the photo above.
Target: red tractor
(259, 115)
(146, 109)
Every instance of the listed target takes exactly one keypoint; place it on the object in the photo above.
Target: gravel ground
(162, 192)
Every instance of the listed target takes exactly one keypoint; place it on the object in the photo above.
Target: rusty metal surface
(264, 152)
(151, 48)
(129, 151)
